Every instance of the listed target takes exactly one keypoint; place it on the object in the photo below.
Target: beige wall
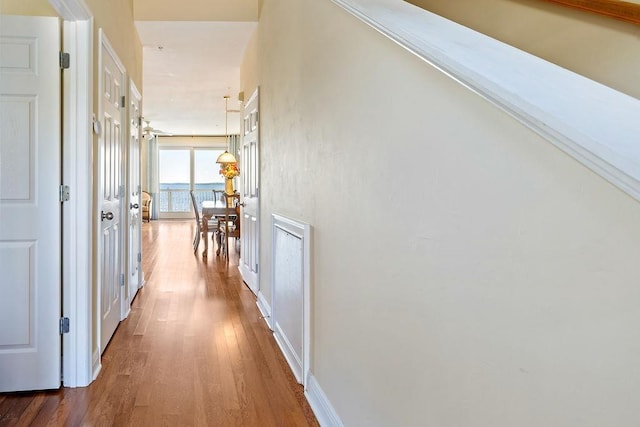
(28, 8)
(115, 17)
(196, 10)
(601, 48)
(464, 271)
(249, 67)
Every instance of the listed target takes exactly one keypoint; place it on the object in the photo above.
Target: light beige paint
(464, 271)
(27, 8)
(196, 10)
(116, 19)
(249, 68)
(601, 48)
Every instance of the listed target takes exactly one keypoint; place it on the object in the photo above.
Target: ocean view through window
(182, 170)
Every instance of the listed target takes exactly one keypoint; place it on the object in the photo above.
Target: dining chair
(213, 225)
(229, 227)
(218, 195)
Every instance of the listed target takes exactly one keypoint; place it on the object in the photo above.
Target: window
(182, 170)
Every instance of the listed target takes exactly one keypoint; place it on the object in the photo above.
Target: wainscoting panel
(290, 304)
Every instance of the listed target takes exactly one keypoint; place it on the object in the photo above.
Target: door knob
(134, 206)
(107, 216)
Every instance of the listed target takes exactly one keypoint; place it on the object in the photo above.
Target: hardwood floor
(193, 352)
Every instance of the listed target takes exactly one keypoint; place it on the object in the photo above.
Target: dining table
(210, 209)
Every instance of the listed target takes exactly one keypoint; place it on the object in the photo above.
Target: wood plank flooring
(193, 352)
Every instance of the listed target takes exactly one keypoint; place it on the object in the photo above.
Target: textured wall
(249, 68)
(464, 271)
(115, 17)
(28, 8)
(196, 10)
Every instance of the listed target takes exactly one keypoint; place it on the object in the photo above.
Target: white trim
(126, 300)
(77, 152)
(72, 10)
(303, 232)
(320, 404)
(97, 364)
(136, 93)
(265, 309)
(289, 353)
(595, 124)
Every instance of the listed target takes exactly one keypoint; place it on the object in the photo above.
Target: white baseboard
(265, 309)
(289, 353)
(322, 408)
(97, 365)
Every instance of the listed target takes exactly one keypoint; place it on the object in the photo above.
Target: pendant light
(226, 157)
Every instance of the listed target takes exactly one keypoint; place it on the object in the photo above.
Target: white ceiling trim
(71, 10)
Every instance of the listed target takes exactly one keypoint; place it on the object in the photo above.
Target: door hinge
(256, 268)
(65, 193)
(64, 325)
(65, 60)
(122, 101)
(139, 257)
(139, 120)
(122, 279)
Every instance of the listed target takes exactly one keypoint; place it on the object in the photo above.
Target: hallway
(192, 352)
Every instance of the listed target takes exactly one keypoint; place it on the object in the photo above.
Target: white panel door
(249, 194)
(111, 189)
(134, 274)
(30, 221)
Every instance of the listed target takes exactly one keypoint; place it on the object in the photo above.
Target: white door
(30, 219)
(134, 274)
(249, 193)
(111, 189)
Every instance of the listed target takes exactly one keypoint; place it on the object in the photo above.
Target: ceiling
(188, 68)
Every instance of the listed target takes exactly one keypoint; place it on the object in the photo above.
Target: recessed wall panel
(288, 264)
(17, 295)
(17, 148)
(18, 55)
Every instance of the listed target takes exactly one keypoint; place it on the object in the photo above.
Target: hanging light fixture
(226, 157)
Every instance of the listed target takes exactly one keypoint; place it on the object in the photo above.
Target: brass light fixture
(226, 157)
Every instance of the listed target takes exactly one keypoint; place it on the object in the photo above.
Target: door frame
(133, 93)
(79, 363)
